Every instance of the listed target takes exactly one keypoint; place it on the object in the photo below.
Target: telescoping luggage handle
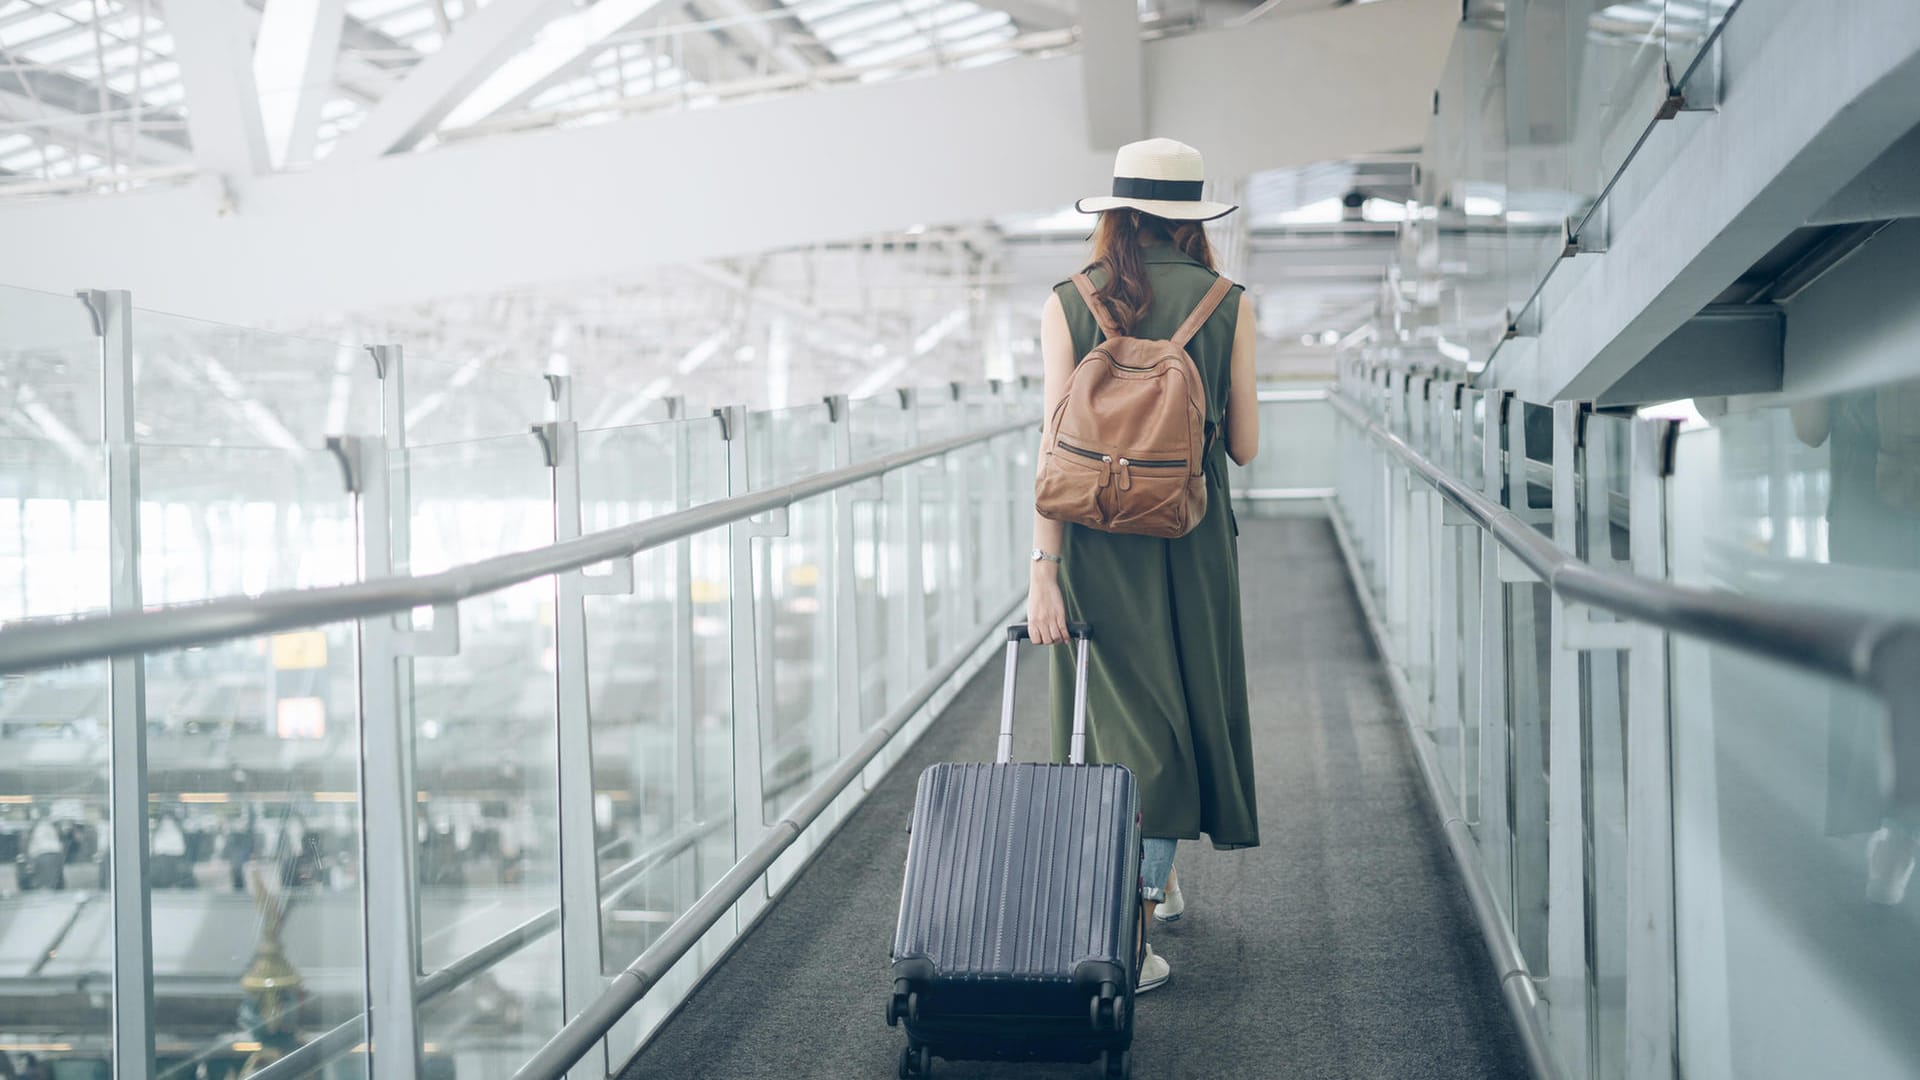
(1017, 633)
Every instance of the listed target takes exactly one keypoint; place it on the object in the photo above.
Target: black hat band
(1139, 187)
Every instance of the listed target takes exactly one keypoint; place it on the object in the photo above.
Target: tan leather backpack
(1125, 449)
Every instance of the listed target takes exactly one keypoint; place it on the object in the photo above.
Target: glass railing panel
(658, 684)
(879, 569)
(49, 369)
(484, 750)
(793, 589)
(454, 401)
(1602, 540)
(880, 425)
(939, 535)
(1689, 25)
(1783, 828)
(253, 751)
(596, 406)
(206, 383)
(1296, 453)
(941, 414)
(55, 946)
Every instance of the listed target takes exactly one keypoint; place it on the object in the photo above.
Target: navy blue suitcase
(1019, 916)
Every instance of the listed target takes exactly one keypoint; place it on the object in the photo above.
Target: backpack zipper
(1162, 464)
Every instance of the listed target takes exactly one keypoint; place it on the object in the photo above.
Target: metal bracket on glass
(617, 581)
(1584, 633)
(1588, 235)
(382, 358)
(550, 442)
(440, 639)
(1698, 89)
(346, 449)
(1526, 323)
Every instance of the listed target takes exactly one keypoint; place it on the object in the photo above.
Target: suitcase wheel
(1117, 1066)
(1104, 1010)
(901, 1005)
(916, 1060)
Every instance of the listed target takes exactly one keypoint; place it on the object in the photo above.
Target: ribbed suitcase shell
(1021, 898)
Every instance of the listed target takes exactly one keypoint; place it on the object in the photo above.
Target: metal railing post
(686, 797)
(1446, 635)
(580, 944)
(386, 793)
(1473, 636)
(1527, 750)
(1567, 914)
(749, 805)
(1493, 811)
(1652, 995)
(133, 1037)
(846, 597)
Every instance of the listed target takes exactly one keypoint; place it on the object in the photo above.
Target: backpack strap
(1202, 312)
(1100, 313)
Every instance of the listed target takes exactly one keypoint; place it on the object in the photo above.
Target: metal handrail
(579, 1036)
(1878, 653)
(97, 637)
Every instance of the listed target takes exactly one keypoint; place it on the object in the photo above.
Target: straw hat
(1159, 177)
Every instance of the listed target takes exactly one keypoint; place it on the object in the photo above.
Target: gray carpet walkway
(1343, 947)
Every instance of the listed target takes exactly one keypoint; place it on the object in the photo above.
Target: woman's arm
(1243, 396)
(1046, 608)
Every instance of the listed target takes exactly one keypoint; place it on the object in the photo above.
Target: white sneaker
(1890, 860)
(1174, 906)
(1154, 972)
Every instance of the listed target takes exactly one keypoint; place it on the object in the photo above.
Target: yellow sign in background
(300, 651)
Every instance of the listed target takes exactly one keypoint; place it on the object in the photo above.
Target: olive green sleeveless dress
(1167, 686)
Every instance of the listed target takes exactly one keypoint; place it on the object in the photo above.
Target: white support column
(293, 58)
(1567, 916)
(216, 71)
(1112, 73)
(1652, 1009)
(133, 1036)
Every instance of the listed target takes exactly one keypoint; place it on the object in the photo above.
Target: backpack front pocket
(1156, 498)
(1070, 483)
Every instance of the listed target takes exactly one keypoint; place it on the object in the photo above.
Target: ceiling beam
(62, 128)
(568, 44)
(487, 215)
(1035, 14)
(216, 69)
(478, 45)
(1111, 74)
(756, 29)
(293, 62)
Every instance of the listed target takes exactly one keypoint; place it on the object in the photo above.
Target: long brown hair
(1117, 242)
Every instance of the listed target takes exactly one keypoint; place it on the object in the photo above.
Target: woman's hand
(1046, 608)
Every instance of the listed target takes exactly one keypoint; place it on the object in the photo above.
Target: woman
(1167, 692)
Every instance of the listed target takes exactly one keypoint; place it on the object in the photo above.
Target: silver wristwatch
(1040, 556)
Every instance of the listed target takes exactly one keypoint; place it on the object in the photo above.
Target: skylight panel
(38, 26)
